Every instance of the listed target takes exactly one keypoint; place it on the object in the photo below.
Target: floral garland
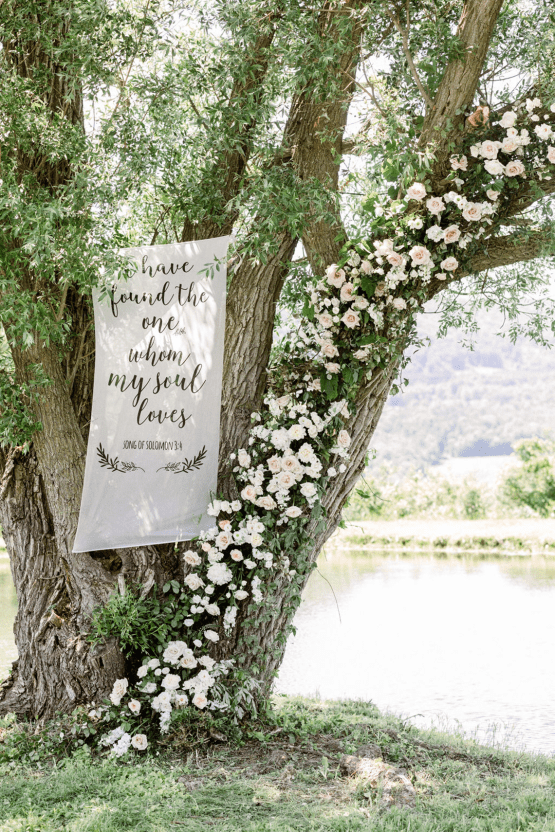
(355, 319)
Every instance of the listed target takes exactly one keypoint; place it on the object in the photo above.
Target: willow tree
(337, 141)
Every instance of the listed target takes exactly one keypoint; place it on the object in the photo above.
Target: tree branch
(424, 92)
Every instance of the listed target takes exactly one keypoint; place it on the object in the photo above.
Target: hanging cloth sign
(152, 455)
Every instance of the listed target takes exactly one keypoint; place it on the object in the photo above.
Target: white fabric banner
(152, 455)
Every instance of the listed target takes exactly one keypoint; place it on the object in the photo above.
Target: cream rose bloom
(472, 212)
(351, 319)
(119, 690)
(249, 493)
(514, 168)
(451, 234)
(543, 131)
(243, 458)
(192, 558)
(494, 167)
(399, 303)
(449, 264)
(366, 267)
(200, 700)
(325, 319)
(509, 145)
(274, 464)
(488, 149)
(396, 260)
(329, 349)
(417, 191)
(236, 555)
(509, 119)
(336, 277)
(551, 155)
(293, 511)
(193, 581)
(435, 205)
(266, 502)
(360, 302)
(286, 480)
(331, 367)
(139, 741)
(343, 439)
(492, 194)
(420, 256)
(223, 540)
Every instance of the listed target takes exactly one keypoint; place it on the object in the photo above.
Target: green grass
(286, 778)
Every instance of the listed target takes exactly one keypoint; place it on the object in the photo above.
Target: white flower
(181, 700)
(488, 149)
(192, 558)
(415, 223)
(266, 502)
(543, 131)
(459, 162)
(200, 700)
(514, 168)
(346, 292)
(153, 664)
(256, 540)
(219, 574)
(332, 472)
(171, 681)
(134, 706)
(297, 432)
(188, 660)
(243, 458)
(285, 480)
(509, 145)
(150, 687)
(174, 651)
(236, 505)
(417, 191)
(122, 745)
(193, 581)
(360, 302)
(343, 439)
(329, 349)
(308, 490)
(396, 260)
(236, 555)
(399, 303)
(451, 234)
(435, 205)
(211, 635)
(223, 540)
(325, 319)
(472, 212)
(293, 511)
(351, 319)
(274, 464)
(332, 367)
(305, 452)
(249, 493)
(475, 151)
(212, 609)
(335, 276)
(532, 104)
(509, 119)
(240, 594)
(494, 167)
(435, 233)
(492, 194)
(118, 691)
(551, 155)
(142, 671)
(420, 256)
(449, 264)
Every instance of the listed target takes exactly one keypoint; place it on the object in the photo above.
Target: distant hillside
(467, 403)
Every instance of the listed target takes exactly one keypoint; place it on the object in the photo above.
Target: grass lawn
(283, 778)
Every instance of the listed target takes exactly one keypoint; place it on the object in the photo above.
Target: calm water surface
(452, 640)
(456, 640)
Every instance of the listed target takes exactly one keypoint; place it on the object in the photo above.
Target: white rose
(211, 635)
(240, 594)
(346, 292)
(508, 120)
(472, 212)
(200, 700)
(329, 349)
(491, 194)
(514, 168)
(243, 458)
(494, 167)
(192, 558)
(331, 367)
(256, 540)
(420, 256)
(325, 320)
(399, 303)
(435, 233)
(415, 223)
(543, 131)
(551, 155)
(509, 145)
(154, 663)
(293, 511)
(286, 480)
(451, 234)
(193, 581)
(171, 681)
(119, 690)
(142, 671)
(435, 205)
(366, 267)
(274, 464)
(296, 432)
(139, 741)
(223, 540)
(343, 439)
(417, 191)
(336, 277)
(236, 555)
(266, 502)
(249, 493)
(488, 149)
(134, 706)
(308, 490)
(173, 651)
(351, 319)
(449, 264)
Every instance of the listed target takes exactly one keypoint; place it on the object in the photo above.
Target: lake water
(452, 641)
